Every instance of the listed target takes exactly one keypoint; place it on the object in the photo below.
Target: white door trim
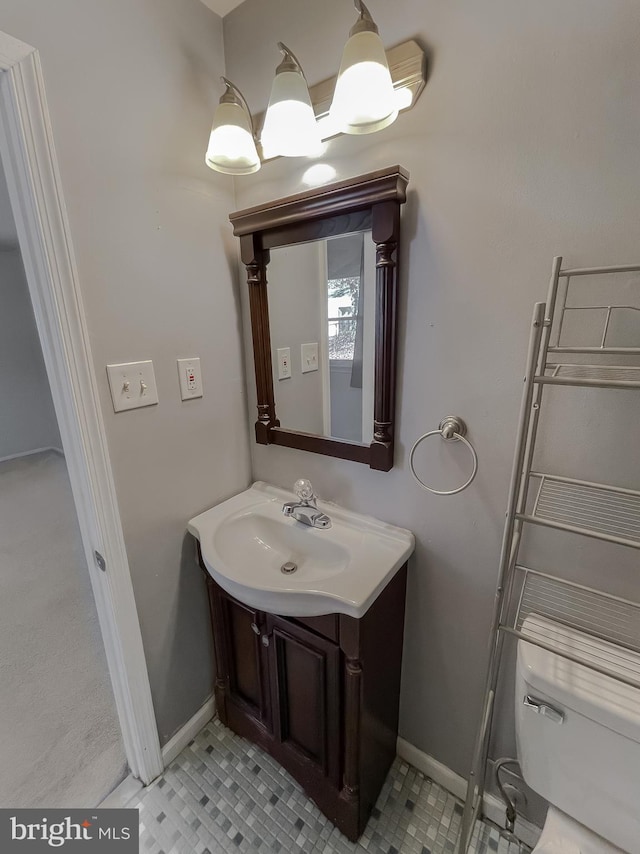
(28, 155)
(323, 274)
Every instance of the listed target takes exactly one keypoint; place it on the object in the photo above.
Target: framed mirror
(322, 273)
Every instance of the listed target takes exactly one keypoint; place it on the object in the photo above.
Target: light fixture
(373, 86)
(290, 128)
(232, 147)
(364, 100)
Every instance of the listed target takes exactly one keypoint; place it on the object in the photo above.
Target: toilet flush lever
(542, 708)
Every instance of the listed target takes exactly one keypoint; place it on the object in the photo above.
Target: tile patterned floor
(223, 794)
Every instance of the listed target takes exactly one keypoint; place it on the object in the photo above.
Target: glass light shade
(232, 149)
(290, 127)
(364, 99)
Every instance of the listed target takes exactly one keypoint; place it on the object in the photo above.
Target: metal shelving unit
(591, 509)
(546, 610)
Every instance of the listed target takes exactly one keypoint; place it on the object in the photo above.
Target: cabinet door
(245, 657)
(306, 697)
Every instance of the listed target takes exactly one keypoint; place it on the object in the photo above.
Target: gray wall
(132, 87)
(523, 145)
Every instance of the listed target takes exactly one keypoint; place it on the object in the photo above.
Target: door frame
(33, 179)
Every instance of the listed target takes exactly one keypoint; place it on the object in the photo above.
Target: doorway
(60, 739)
(33, 181)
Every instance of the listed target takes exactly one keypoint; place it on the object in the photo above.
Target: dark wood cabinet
(305, 672)
(245, 657)
(320, 694)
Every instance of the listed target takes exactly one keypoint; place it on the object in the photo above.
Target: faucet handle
(303, 489)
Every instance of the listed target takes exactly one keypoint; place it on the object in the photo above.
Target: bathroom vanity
(308, 665)
(320, 694)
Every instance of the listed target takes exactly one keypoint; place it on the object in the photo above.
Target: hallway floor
(60, 738)
(223, 794)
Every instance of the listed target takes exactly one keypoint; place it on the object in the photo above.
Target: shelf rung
(594, 612)
(599, 351)
(585, 382)
(595, 510)
(595, 271)
(576, 529)
(599, 376)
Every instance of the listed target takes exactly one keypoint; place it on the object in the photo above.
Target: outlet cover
(190, 378)
(132, 384)
(284, 363)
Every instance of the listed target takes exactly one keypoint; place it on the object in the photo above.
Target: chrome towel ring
(451, 429)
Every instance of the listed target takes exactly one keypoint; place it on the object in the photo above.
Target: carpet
(60, 742)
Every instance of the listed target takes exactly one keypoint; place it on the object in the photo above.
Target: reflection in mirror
(322, 311)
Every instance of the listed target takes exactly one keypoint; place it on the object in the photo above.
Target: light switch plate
(309, 357)
(132, 385)
(190, 378)
(284, 363)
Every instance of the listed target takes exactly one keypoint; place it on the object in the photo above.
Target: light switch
(132, 385)
(284, 363)
(309, 357)
(190, 378)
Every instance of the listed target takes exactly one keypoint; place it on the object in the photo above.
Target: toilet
(578, 738)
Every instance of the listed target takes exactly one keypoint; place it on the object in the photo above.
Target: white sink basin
(246, 540)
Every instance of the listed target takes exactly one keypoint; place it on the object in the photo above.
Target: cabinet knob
(255, 629)
(265, 640)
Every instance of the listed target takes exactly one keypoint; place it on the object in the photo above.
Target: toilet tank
(578, 731)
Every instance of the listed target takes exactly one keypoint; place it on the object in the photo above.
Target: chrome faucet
(305, 510)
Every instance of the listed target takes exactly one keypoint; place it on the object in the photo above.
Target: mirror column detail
(385, 233)
(255, 260)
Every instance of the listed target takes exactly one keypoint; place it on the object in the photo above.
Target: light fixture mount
(289, 61)
(232, 95)
(365, 23)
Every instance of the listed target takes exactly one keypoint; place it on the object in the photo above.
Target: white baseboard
(430, 767)
(493, 808)
(130, 786)
(30, 453)
(188, 732)
(122, 794)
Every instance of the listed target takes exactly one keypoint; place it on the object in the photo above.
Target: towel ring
(451, 429)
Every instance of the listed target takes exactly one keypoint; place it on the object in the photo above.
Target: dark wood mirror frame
(368, 201)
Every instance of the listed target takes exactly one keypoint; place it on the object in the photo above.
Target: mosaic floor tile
(223, 795)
